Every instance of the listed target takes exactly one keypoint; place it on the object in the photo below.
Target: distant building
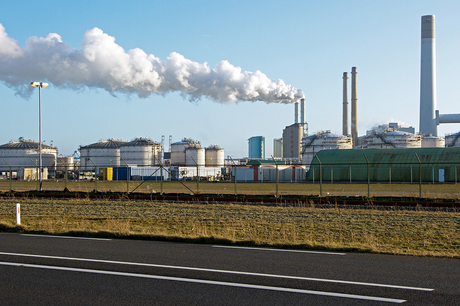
(256, 147)
(278, 148)
(292, 141)
(394, 126)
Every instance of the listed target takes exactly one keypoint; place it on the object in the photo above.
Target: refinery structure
(297, 155)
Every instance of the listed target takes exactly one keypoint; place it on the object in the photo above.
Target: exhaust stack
(428, 78)
(302, 111)
(354, 108)
(345, 130)
(296, 113)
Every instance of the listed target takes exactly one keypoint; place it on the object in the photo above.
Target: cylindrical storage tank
(141, 152)
(24, 154)
(214, 156)
(323, 141)
(194, 154)
(102, 153)
(432, 142)
(65, 163)
(453, 140)
(178, 153)
(393, 139)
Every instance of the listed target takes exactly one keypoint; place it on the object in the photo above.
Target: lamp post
(40, 85)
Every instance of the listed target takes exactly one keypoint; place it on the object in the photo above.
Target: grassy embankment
(393, 231)
(440, 191)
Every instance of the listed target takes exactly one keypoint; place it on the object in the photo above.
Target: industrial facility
(387, 152)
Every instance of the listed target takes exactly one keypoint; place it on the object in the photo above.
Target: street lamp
(40, 85)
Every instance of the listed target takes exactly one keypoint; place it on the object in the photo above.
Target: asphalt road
(52, 270)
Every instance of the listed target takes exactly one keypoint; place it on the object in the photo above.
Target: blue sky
(307, 44)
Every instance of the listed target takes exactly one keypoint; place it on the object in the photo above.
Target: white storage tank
(194, 154)
(23, 154)
(102, 153)
(393, 139)
(214, 156)
(65, 163)
(141, 152)
(432, 142)
(178, 157)
(322, 141)
(452, 140)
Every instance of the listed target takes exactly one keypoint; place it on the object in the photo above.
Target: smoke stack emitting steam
(101, 63)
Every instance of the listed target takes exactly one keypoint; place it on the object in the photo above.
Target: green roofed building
(387, 165)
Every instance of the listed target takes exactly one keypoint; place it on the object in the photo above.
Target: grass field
(424, 233)
(434, 191)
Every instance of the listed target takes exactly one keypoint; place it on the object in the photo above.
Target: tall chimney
(345, 105)
(302, 111)
(296, 113)
(428, 78)
(354, 108)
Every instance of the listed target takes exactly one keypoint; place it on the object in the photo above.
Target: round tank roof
(139, 142)
(214, 147)
(454, 134)
(397, 133)
(25, 144)
(108, 144)
(325, 135)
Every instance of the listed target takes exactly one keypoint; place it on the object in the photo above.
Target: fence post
(411, 174)
(127, 175)
(368, 178)
(432, 173)
(36, 169)
(455, 174)
(419, 174)
(95, 175)
(234, 174)
(350, 174)
(197, 176)
(332, 175)
(320, 177)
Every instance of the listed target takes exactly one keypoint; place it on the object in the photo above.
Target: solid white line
(278, 250)
(208, 282)
(219, 271)
(66, 237)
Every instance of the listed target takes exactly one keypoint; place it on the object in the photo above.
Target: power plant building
(256, 146)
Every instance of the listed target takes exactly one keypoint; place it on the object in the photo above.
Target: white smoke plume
(101, 63)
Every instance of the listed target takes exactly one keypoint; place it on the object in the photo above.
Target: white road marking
(278, 250)
(66, 237)
(208, 282)
(219, 271)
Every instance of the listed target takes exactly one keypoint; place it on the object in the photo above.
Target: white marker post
(18, 214)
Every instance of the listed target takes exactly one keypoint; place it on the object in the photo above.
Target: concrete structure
(322, 141)
(102, 153)
(345, 130)
(256, 146)
(354, 107)
(428, 78)
(141, 152)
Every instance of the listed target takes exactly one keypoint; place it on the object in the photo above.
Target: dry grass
(434, 191)
(425, 233)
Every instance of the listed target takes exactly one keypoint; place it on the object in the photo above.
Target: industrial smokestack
(354, 108)
(428, 78)
(302, 111)
(345, 105)
(296, 112)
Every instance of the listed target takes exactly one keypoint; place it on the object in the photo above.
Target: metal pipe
(345, 130)
(354, 108)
